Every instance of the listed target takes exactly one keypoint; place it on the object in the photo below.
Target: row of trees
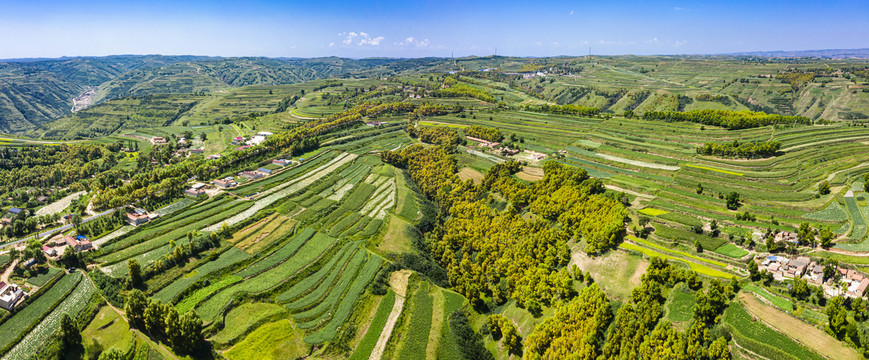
(748, 150)
(568, 109)
(731, 120)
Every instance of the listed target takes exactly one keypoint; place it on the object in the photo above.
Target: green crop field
(386, 201)
(245, 319)
(28, 317)
(366, 344)
(762, 340)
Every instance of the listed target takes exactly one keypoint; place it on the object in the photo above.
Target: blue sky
(42, 28)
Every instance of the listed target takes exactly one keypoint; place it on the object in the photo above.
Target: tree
(153, 318)
(826, 237)
(699, 188)
(824, 188)
(733, 200)
(203, 136)
(113, 354)
(69, 335)
(135, 306)
(806, 235)
(752, 270)
(718, 350)
(866, 182)
(800, 289)
(837, 315)
(76, 220)
(135, 273)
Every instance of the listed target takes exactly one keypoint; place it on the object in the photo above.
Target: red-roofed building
(78, 245)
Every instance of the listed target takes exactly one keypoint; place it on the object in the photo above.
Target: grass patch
(244, 319)
(731, 250)
(275, 340)
(363, 350)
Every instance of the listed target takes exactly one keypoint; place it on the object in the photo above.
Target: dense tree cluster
(577, 330)
(503, 255)
(162, 321)
(568, 109)
(463, 90)
(485, 133)
(748, 150)
(439, 135)
(731, 120)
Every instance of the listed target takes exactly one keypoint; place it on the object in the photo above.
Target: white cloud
(571, 12)
(361, 38)
(679, 43)
(653, 40)
(538, 43)
(411, 41)
(331, 44)
(677, 8)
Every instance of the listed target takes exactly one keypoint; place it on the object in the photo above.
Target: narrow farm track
(804, 333)
(399, 285)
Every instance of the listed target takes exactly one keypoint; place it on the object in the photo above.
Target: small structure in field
(10, 294)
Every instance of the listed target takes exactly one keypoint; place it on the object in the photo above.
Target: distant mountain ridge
(824, 54)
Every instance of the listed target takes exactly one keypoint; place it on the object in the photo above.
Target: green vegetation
(508, 254)
(760, 339)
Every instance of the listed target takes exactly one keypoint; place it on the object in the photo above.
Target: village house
(9, 295)
(281, 162)
(49, 251)
(79, 243)
(786, 236)
(250, 175)
(484, 143)
(225, 183)
(194, 192)
(212, 157)
(815, 275)
(508, 151)
(137, 217)
(256, 140)
(243, 147)
(27, 264)
(238, 140)
(41, 198)
(196, 151)
(264, 171)
(264, 133)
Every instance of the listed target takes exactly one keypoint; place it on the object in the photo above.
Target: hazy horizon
(267, 28)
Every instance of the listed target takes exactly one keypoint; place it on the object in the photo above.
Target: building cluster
(847, 282)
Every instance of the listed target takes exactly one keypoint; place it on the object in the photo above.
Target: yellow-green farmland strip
(677, 252)
(714, 169)
(653, 211)
(699, 268)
